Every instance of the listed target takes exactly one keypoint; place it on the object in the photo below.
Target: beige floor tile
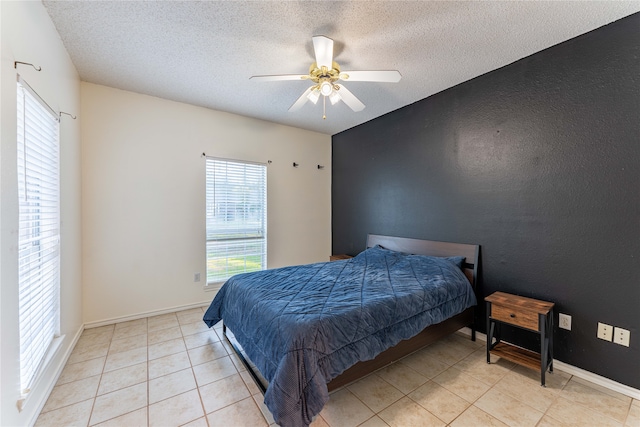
(99, 330)
(375, 392)
(87, 340)
(176, 410)
(123, 378)
(187, 318)
(424, 363)
(249, 382)
(508, 410)
(476, 365)
(194, 328)
(402, 377)
(189, 312)
(226, 344)
(118, 403)
(129, 331)
(633, 419)
(72, 415)
(111, 362)
(164, 321)
(318, 421)
(572, 415)
(214, 371)
(125, 358)
(531, 393)
(259, 399)
(407, 413)
(237, 362)
(168, 364)
(242, 413)
(89, 352)
(223, 392)
(602, 389)
(375, 421)
(451, 349)
(200, 339)
(345, 409)
(73, 392)
(200, 422)
(137, 418)
(206, 353)
(595, 398)
(131, 323)
(474, 417)
(128, 343)
(166, 348)
(547, 421)
(439, 401)
(162, 335)
(554, 381)
(80, 370)
(461, 384)
(171, 385)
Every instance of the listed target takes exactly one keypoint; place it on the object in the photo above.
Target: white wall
(143, 197)
(27, 34)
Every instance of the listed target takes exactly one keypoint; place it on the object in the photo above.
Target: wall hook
(15, 65)
(295, 165)
(320, 167)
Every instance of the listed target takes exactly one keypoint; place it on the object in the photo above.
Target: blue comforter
(304, 325)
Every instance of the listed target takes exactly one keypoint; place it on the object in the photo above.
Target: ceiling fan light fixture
(334, 97)
(326, 88)
(314, 95)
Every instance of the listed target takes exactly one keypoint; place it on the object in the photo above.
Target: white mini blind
(39, 231)
(236, 218)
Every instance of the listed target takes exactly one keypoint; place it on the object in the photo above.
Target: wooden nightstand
(526, 313)
(339, 257)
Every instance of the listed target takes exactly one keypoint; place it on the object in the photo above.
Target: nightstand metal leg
(489, 332)
(550, 317)
(544, 347)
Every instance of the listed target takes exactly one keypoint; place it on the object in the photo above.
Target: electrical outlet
(621, 336)
(564, 321)
(196, 277)
(605, 332)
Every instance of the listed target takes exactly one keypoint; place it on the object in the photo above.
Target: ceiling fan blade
(391, 76)
(279, 77)
(350, 99)
(301, 101)
(323, 47)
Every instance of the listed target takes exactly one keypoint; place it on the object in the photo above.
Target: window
(39, 231)
(236, 218)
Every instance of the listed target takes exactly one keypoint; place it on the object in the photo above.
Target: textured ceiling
(203, 52)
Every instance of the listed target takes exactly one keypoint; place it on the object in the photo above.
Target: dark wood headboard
(432, 248)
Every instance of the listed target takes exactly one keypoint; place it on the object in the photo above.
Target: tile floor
(170, 370)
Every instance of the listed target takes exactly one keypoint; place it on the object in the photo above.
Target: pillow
(457, 260)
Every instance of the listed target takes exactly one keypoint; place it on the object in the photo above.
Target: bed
(305, 330)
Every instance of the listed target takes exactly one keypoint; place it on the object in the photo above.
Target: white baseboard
(121, 319)
(580, 373)
(48, 385)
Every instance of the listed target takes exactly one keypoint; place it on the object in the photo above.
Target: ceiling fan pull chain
(324, 108)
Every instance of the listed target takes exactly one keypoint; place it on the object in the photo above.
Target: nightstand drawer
(522, 318)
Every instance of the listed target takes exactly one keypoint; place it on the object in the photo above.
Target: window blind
(39, 231)
(236, 218)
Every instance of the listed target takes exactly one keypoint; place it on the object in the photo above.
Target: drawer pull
(512, 315)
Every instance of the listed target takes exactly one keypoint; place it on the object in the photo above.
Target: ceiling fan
(325, 74)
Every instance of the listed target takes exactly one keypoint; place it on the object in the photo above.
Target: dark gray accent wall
(539, 163)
